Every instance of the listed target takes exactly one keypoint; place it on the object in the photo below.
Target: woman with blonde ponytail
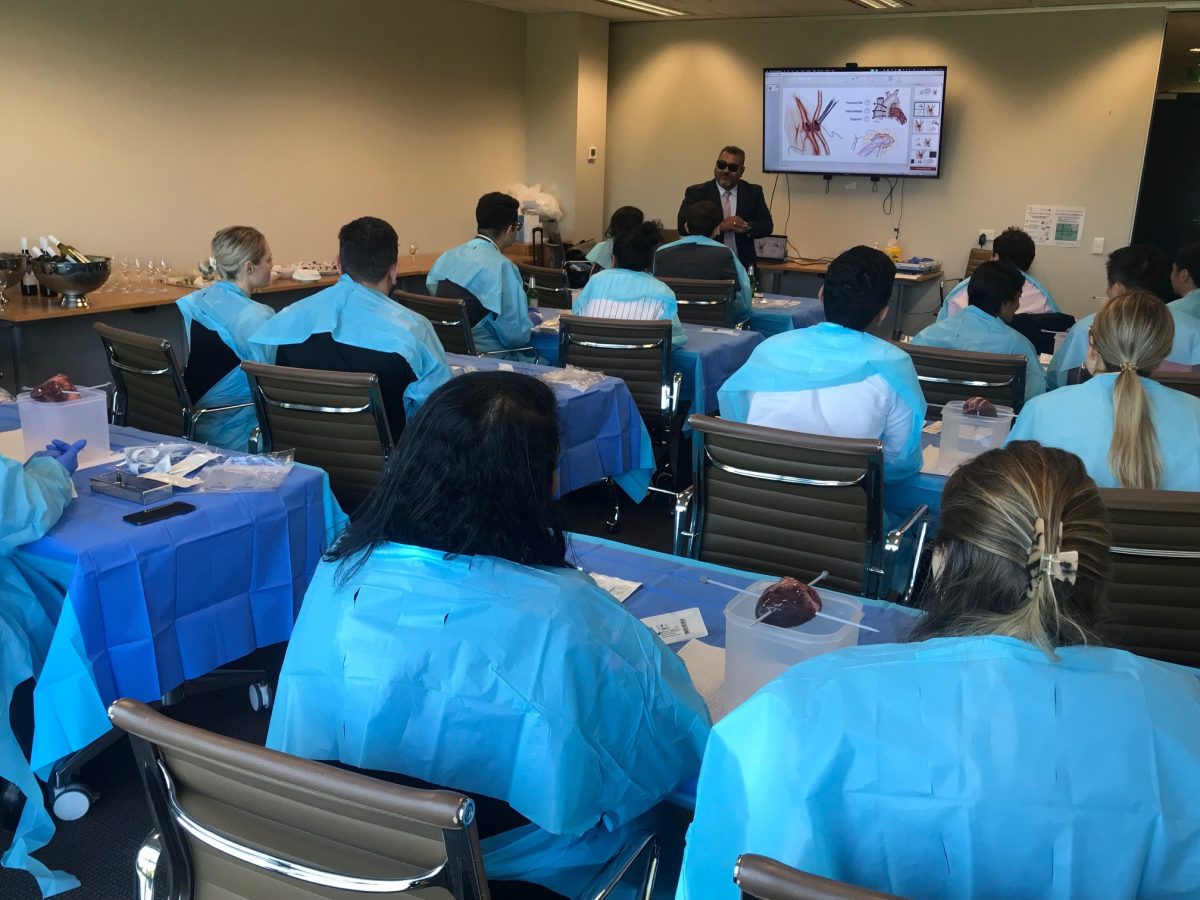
(1128, 429)
(1001, 752)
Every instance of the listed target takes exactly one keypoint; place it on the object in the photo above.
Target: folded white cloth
(306, 275)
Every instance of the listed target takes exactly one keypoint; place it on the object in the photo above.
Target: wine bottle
(29, 282)
(49, 254)
(67, 251)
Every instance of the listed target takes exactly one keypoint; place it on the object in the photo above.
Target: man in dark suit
(746, 214)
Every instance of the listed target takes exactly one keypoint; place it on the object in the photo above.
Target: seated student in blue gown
(699, 255)
(625, 218)
(446, 638)
(355, 326)
(994, 293)
(833, 378)
(1002, 753)
(629, 291)
(1185, 280)
(1015, 247)
(490, 282)
(33, 497)
(218, 322)
(1138, 267)
(1129, 430)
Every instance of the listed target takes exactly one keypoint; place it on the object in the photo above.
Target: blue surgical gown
(1189, 303)
(1185, 350)
(225, 308)
(982, 332)
(480, 267)
(1035, 299)
(1079, 418)
(745, 294)
(602, 254)
(360, 316)
(528, 685)
(960, 767)
(32, 498)
(827, 356)
(627, 288)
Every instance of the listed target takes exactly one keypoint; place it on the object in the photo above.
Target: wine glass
(125, 275)
(412, 252)
(164, 269)
(151, 275)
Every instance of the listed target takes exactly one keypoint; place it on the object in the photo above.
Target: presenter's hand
(733, 223)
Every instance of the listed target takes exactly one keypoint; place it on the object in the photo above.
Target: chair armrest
(942, 286)
(203, 410)
(502, 352)
(644, 847)
(683, 503)
(919, 516)
(896, 535)
(676, 382)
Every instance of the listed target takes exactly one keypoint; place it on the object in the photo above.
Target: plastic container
(965, 437)
(756, 653)
(85, 418)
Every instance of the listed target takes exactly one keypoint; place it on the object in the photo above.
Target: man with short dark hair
(491, 283)
(834, 378)
(1185, 279)
(744, 211)
(983, 327)
(355, 326)
(698, 255)
(1015, 247)
(1138, 267)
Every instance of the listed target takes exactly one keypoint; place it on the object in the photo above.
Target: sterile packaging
(249, 472)
(70, 421)
(965, 437)
(757, 652)
(573, 376)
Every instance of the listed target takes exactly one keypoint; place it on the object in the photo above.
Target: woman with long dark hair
(446, 638)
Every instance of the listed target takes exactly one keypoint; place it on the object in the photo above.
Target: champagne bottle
(67, 251)
(29, 282)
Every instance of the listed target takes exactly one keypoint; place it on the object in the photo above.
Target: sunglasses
(732, 167)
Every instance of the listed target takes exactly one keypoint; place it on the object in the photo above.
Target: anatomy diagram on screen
(805, 129)
(888, 107)
(874, 143)
(847, 127)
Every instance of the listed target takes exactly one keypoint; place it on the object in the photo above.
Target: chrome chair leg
(147, 862)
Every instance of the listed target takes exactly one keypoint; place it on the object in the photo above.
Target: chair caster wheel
(71, 802)
(260, 696)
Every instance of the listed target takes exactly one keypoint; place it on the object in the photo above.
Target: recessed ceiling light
(1194, 50)
(652, 9)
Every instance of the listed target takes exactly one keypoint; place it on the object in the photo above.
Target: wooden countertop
(820, 268)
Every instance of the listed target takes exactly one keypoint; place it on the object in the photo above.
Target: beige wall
(566, 92)
(1046, 108)
(142, 127)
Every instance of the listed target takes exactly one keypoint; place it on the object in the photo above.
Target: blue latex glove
(67, 454)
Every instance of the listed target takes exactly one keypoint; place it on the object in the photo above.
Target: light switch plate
(1097, 245)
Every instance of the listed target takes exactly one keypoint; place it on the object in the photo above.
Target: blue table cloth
(147, 608)
(708, 358)
(602, 433)
(672, 583)
(799, 312)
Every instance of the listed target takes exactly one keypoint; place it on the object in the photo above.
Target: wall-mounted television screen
(854, 121)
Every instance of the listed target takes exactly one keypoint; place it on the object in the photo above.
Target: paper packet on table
(167, 463)
(574, 377)
(249, 471)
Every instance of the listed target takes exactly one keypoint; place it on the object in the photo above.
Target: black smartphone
(158, 513)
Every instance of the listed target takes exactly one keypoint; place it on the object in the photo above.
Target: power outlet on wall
(852, 185)
(989, 234)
